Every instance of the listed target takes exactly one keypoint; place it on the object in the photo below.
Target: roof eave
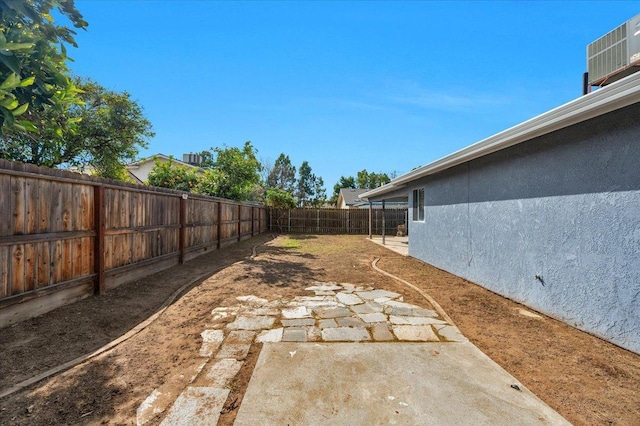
(617, 95)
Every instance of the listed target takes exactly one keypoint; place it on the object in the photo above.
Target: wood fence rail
(65, 236)
(336, 221)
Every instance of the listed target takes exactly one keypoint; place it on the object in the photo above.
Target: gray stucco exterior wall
(564, 207)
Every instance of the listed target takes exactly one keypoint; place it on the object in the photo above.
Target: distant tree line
(362, 180)
(237, 174)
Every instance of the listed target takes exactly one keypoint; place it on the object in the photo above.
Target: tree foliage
(310, 188)
(363, 180)
(168, 174)
(111, 129)
(236, 173)
(366, 180)
(279, 199)
(282, 175)
(33, 56)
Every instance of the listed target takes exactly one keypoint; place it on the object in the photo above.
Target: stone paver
(298, 322)
(221, 373)
(327, 323)
(415, 333)
(270, 336)
(240, 336)
(230, 350)
(345, 334)
(381, 332)
(367, 308)
(299, 312)
(265, 311)
(348, 299)
(294, 335)
(211, 340)
(252, 323)
(376, 294)
(350, 322)
(334, 313)
(198, 405)
(409, 320)
(373, 318)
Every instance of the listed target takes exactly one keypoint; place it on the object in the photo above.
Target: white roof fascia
(617, 95)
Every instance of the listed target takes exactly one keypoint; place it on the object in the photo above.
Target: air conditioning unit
(614, 55)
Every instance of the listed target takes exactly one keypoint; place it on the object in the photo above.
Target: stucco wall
(565, 207)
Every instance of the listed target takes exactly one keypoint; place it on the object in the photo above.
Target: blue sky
(382, 86)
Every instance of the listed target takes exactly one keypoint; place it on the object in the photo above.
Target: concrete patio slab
(386, 383)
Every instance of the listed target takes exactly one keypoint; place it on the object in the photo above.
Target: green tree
(320, 193)
(344, 182)
(33, 58)
(279, 199)
(235, 174)
(366, 180)
(168, 174)
(305, 186)
(282, 175)
(310, 189)
(113, 129)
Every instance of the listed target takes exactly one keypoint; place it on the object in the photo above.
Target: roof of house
(160, 156)
(351, 196)
(617, 95)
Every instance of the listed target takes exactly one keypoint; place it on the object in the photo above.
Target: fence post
(98, 246)
(182, 238)
(253, 209)
(239, 222)
(348, 217)
(318, 220)
(289, 220)
(219, 223)
(383, 222)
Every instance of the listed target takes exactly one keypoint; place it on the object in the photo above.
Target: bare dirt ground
(584, 378)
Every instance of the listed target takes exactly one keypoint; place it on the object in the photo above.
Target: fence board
(17, 204)
(5, 286)
(5, 205)
(17, 269)
(49, 236)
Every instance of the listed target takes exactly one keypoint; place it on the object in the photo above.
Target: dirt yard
(585, 379)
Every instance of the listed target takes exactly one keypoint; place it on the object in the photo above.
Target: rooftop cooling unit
(615, 55)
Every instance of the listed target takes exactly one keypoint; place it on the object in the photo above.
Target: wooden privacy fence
(64, 236)
(336, 221)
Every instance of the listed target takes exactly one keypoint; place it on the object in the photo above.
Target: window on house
(418, 204)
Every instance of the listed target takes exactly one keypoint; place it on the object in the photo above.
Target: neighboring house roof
(161, 157)
(350, 196)
(617, 95)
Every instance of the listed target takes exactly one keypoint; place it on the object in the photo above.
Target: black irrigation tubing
(137, 329)
(431, 300)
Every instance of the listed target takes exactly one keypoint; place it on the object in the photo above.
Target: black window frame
(418, 205)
